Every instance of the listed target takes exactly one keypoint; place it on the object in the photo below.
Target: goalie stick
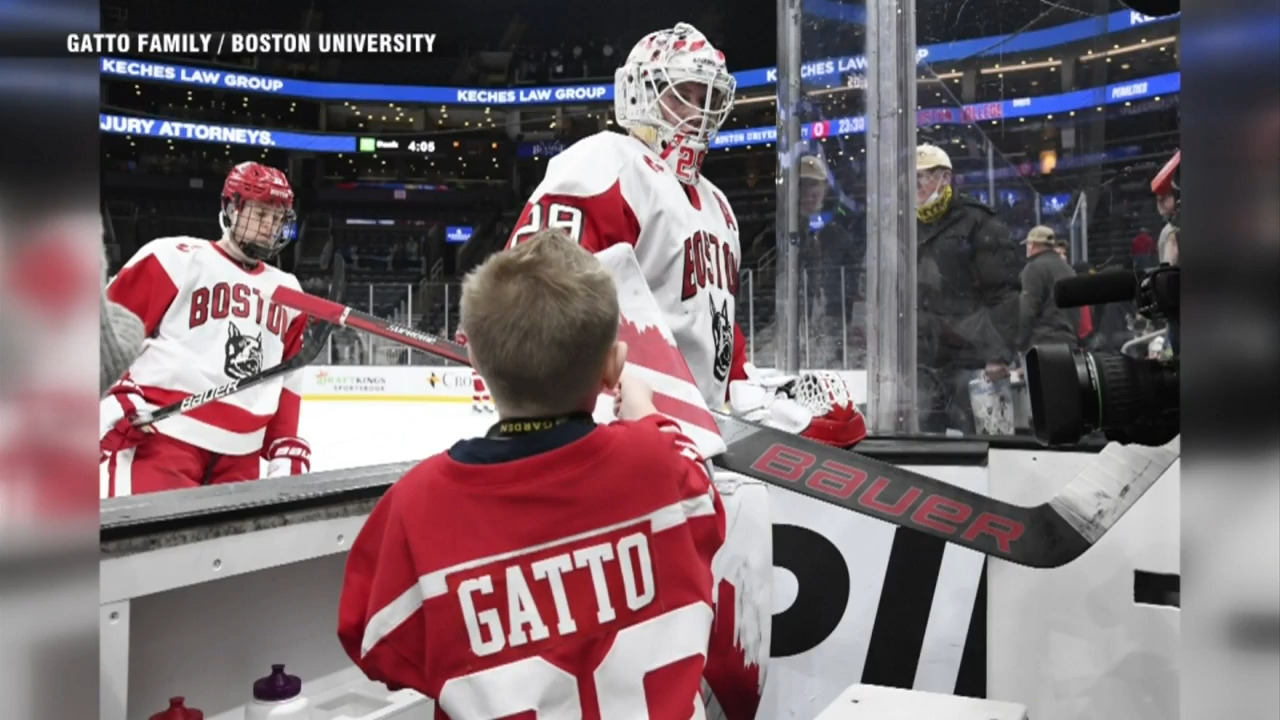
(317, 335)
(1047, 535)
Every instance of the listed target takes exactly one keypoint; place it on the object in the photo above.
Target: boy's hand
(634, 399)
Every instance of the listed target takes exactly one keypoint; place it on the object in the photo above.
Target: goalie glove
(288, 456)
(816, 405)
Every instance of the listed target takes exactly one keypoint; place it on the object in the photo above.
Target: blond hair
(540, 320)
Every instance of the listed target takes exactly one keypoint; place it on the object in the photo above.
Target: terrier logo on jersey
(244, 354)
(722, 334)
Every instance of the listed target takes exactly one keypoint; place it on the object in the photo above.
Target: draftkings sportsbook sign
(413, 383)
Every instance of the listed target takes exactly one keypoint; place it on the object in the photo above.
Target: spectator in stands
(1144, 252)
(1143, 245)
(1040, 320)
(967, 295)
(833, 254)
(1165, 187)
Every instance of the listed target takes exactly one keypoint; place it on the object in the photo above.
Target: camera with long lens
(1131, 400)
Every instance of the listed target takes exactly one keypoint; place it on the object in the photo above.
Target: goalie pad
(652, 353)
(816, 405)
(738, 650)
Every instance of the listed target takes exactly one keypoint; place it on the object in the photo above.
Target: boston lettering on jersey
(708, 262)
(237, 300)
(573, 590)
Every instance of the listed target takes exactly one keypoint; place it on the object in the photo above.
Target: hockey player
(208, 317)
(646, 189)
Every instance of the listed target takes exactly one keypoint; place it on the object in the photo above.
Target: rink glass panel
(1084, 172)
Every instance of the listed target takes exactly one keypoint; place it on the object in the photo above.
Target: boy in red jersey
(553, 566)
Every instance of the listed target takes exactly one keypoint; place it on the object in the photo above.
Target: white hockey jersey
(611, 188)
(209, 321)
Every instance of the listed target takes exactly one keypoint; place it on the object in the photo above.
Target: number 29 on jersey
(556, 216)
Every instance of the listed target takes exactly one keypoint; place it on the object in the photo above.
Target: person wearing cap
(835, 244)
(813, 185)
(1040, 320)
(967, 293)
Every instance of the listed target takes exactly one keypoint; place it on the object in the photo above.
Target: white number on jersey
(559, 216)
(535, 684)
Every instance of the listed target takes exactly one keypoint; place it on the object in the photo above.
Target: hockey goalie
(646, 189)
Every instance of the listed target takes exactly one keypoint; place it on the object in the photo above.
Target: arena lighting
(998, 69)
(1145, 44)
(994, 70)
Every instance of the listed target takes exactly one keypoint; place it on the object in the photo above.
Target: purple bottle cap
(277, 687)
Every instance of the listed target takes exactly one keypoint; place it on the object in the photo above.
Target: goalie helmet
(257, 210)
(674, 93)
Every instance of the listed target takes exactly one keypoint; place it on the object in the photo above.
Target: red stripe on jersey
(594, 221)
(650, 348)
(738, 369)
(146, 290)
(685, 412)
(293, 337)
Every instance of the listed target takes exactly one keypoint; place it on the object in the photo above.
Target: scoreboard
(423, 146)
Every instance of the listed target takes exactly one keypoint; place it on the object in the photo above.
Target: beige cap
(931, 156)
(812, 168)
(1040, 235)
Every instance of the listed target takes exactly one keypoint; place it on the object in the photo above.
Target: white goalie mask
(673, 92)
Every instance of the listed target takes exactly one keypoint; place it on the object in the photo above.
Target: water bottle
(278, 697)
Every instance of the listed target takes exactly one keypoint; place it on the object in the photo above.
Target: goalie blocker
(1047, 535)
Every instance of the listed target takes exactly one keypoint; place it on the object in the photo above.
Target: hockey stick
(315, 340)
(1047, 535)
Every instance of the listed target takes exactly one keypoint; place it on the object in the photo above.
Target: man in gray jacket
(1040, 321)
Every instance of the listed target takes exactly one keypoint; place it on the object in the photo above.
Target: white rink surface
(352, 433)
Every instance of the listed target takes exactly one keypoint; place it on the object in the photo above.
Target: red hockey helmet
(268, 225)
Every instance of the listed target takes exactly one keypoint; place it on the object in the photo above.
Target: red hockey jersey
(573, 580)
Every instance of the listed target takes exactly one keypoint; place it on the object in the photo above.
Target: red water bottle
(178, 711)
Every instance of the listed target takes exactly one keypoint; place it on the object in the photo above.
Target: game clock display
(399, 145)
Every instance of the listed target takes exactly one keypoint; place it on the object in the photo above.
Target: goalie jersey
(208, 321)
(611, 188)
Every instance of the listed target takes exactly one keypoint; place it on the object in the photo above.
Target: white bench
(872, 702)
